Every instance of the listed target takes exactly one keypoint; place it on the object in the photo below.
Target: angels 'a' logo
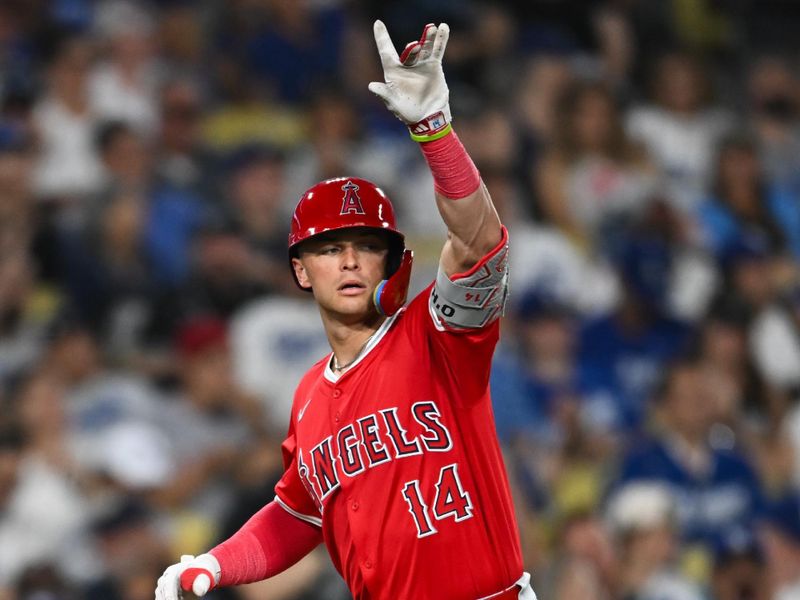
(351, 203)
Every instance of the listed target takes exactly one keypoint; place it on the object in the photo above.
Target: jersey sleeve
(291, 491)
(462, 341)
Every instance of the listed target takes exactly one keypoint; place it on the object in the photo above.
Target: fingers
(201, 585)
(431, 44)
(385, 46)
(426, 41)
(381, 90)
(440, 41)
(173, 591)
(168, 585)
(421, 49)
(159, 590)
(409, 54)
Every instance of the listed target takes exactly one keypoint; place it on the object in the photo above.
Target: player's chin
(354, 305)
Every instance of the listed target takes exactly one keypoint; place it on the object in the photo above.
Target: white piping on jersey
(307, 518)
(373, 341)
(434, 317)
(523, 584)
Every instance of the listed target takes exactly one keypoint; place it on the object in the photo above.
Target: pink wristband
(455, 176)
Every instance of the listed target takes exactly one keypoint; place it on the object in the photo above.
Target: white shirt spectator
(134, 102)
(788, 592)
(775, 346)
(682, 146)
(598, 189)
(68, 164)
(274, 342)
(110, 409)
(544, 258)
(40, 521)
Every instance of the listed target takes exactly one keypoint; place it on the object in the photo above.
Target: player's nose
(349, 257)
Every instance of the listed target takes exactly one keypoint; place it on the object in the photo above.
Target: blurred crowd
(645, 156)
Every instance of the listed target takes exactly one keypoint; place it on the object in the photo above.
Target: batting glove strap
(431, 128)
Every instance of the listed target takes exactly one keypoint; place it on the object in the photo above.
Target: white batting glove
(200, 574)
(415, 89)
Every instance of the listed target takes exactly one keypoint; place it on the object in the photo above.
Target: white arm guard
(475, 300)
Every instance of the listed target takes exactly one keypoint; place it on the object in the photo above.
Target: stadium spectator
(739, 566)
(26, 312)
(744, 201)
(44, 510)
(781, 538)
(711, 488)
(775, 341)
(68, 167)
(256, 203)
(594, 175)
(125, 158)
(124, 87)
(213, 426)
(585, 559)
(680, 127)
(773, 115)
(641, 517)
(626, 349)
(132, 552)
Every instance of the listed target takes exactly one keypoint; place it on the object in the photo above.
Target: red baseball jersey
(398, 461)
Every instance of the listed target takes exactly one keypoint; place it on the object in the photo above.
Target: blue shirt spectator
(722, 227)
(713, 488)
(727, 493)
(625, 351)
(744, 201)
(531, 385)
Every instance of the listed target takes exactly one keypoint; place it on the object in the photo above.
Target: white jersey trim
(523, 584)
(307, 518)
(373, 341)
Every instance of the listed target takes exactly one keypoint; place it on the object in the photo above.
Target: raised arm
(416, 92)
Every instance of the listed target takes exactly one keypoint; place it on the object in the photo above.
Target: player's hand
(415, 89)
(198, 575)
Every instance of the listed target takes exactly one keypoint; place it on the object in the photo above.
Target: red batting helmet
(346, 202)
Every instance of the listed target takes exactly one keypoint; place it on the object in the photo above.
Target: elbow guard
(476, 298)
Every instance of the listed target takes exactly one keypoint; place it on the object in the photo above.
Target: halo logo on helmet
(351, 203)
(346, 202)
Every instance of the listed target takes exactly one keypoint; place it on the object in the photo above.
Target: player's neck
(348, 340)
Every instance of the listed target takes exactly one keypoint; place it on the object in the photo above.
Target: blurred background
(645, 156)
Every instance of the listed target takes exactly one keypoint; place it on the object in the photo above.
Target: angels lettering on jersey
(366, 444)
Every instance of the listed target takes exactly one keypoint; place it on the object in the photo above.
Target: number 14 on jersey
(450, 500)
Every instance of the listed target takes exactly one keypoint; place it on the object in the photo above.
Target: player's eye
(329, 249)
(371, 246)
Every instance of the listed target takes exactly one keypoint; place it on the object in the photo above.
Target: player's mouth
(352, 288)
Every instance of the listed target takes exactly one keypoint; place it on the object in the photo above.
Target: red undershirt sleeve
(269, 543)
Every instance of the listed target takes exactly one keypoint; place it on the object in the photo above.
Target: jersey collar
(373, 341)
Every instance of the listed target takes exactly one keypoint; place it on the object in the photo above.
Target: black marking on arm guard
(475, 300)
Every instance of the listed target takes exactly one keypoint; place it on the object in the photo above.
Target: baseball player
(391, 457)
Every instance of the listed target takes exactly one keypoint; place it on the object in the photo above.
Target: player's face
(343, 268)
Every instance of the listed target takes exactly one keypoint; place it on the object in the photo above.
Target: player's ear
(300, 273)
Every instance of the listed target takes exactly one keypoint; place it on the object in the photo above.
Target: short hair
(684, 362)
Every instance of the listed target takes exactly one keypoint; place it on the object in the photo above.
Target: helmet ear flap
(390, 295)
(395, 255)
